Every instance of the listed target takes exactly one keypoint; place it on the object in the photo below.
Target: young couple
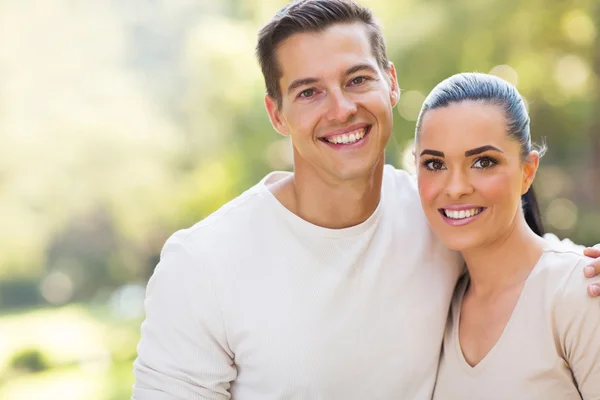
(335, 281)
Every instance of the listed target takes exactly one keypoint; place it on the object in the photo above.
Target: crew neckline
(309, 227)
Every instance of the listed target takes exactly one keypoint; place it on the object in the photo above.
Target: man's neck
(505, 263)
(329, 204)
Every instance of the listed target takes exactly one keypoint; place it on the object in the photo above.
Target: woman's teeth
(462, 213)
(348, 138)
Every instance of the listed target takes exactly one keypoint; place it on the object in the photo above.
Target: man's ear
(275, 116)
(394, 88)
(530, 168)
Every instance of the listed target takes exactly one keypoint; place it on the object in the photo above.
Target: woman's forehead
(463, 126)
(466, 118)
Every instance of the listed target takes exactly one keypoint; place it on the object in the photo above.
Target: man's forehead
(332, 50)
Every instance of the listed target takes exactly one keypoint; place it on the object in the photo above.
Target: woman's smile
(460, 215)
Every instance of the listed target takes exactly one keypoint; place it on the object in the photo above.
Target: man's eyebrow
(361, 67)
(481, 149)
(309, 81)
(432, 153)
(301, 82)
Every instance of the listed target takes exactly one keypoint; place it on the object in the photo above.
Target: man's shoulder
(242, 213)
(399, 178)
(401, 186)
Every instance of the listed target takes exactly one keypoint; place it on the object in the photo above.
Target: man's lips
(346, 130)
(350, 135)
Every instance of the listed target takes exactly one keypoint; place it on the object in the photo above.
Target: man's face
(336, 102)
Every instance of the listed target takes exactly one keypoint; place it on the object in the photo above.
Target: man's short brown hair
(311, 16)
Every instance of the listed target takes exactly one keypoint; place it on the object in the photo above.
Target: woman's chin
(460, 243)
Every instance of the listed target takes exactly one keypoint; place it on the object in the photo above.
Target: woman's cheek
(428, 190)
(490, 186)
(497, 190)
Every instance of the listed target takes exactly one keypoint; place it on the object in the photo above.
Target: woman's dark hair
(489, 89)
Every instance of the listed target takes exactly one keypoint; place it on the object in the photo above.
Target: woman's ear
(530, 167)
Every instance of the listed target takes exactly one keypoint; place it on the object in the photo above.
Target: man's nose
(341, 106)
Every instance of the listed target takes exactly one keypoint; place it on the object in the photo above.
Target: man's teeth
(348, 138)
(462, 213)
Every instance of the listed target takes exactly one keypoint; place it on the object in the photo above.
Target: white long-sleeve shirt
(254, 303)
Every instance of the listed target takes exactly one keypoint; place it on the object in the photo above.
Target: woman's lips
(459, 216)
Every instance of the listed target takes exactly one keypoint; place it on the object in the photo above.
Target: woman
(521, 325)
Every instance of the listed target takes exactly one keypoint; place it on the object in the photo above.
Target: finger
(593, 252)
(594, 290)
(592, 269)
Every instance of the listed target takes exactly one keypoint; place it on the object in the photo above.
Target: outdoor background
(122, 121)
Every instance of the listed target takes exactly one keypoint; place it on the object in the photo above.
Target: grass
(89, 354)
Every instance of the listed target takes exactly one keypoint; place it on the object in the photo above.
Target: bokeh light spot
(571, 73)
(507, 73)
(578, 27)
(410, 104)
(562, 214)
(57, 288)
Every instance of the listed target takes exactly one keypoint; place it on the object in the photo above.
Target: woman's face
(471, 174)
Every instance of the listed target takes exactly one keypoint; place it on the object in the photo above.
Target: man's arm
(593, 269)
(577, 322)
(183, 352)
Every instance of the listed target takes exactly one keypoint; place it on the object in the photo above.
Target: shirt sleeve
(183, 351)
(577, 317)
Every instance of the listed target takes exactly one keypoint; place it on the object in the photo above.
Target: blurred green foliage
(121, 122)
(29, 360)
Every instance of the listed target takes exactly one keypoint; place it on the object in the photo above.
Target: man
(322, 284)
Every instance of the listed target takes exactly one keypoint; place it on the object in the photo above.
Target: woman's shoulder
(561, 273)
(558, 278)
(563, 256)
(575, 317)
(559, 257)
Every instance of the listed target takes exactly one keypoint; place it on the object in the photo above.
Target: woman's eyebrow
(433, 153)
(481, 149)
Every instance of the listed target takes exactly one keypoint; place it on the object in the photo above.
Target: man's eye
(307, 93)
(358, 80)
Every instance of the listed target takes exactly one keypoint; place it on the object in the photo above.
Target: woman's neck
(504, 263)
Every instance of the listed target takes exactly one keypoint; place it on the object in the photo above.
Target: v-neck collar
(489, 357)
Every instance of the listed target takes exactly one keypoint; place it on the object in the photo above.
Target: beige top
(549, 349)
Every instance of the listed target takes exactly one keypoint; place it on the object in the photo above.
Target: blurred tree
(121, 122)
(29, 360)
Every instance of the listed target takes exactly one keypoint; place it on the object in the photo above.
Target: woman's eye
(358, 80)
(434, 165)
(484, 163)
